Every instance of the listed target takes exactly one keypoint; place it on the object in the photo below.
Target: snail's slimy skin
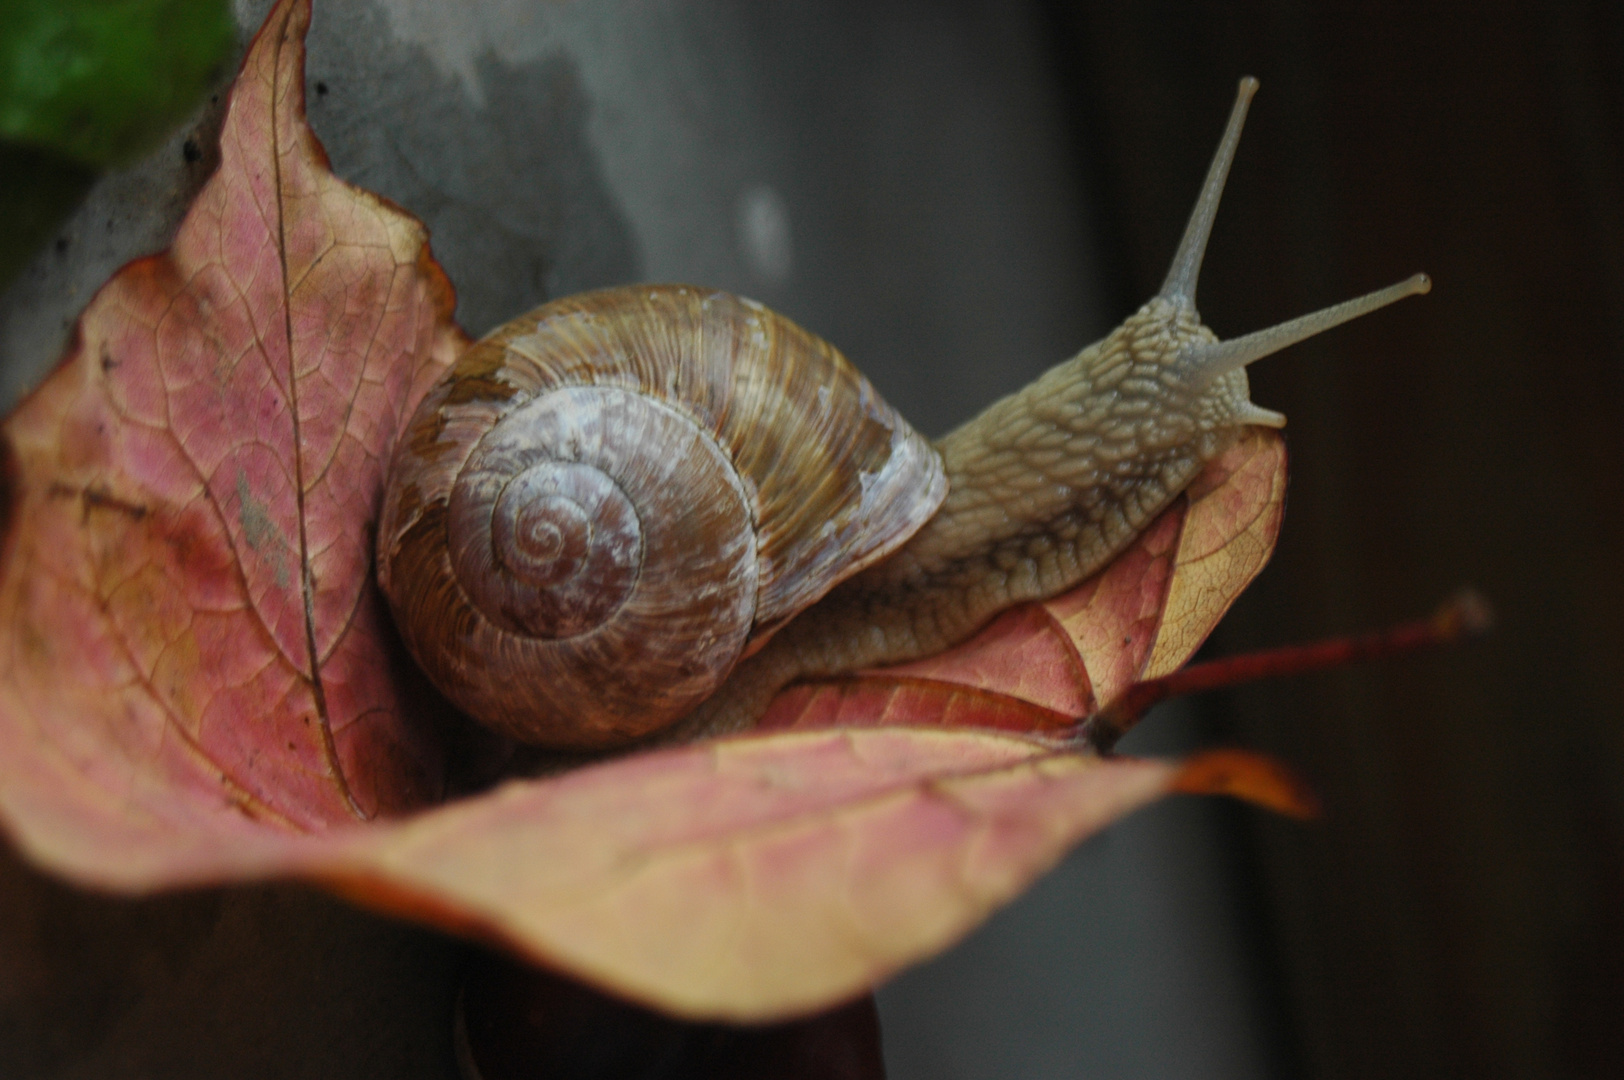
(1048, 484)
(1045, 487)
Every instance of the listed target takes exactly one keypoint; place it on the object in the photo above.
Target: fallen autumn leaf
(198, 683)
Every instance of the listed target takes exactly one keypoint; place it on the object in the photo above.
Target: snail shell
(608, 502)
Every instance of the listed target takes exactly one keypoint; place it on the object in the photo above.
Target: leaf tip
(1255, 778)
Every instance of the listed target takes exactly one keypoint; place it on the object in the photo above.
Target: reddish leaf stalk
(1464, 615)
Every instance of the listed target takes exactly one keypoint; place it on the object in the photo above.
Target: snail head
(1189, 359)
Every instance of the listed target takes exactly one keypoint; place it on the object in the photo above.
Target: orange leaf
(747, 879)
(198, 682)
(1229, 533)
(1258, 779)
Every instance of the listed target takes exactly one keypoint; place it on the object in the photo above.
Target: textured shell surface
(609, 501)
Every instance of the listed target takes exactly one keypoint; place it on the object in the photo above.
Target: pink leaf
(198, 682)
(192, 630)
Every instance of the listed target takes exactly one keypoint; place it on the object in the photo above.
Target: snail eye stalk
(1179, 288)
(1201, 364)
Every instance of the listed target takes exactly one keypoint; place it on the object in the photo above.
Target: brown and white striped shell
(608, 502)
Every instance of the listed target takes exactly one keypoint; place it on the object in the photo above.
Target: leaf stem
(1466, 614)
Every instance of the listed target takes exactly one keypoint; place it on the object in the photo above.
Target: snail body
(643, 511)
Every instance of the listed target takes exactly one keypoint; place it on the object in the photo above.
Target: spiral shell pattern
(610, 500)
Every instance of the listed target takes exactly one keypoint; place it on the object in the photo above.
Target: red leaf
(192, 625)
(198, 683)
(881, 701)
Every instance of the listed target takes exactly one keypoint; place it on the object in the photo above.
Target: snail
(638, 513)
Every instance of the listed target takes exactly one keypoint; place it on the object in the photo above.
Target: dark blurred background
(958, 195)
(1460, 912)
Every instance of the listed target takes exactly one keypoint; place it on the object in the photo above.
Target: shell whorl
(609, 501)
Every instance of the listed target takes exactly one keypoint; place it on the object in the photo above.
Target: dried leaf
(759, 877)
(192, 631)
(198, 683)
